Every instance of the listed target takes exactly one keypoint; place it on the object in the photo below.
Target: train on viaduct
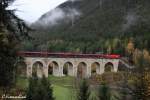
(71, 64)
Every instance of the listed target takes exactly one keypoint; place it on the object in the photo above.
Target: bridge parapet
(68, 55)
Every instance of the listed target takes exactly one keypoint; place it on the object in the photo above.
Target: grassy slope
(62, 86)
(22, 82)
(62, 93)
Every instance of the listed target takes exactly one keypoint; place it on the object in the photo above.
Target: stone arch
(38, 68)
(53, 68)
(68, 69)
(22, 69)
(95, 68)
(82, 70)
(109, 67)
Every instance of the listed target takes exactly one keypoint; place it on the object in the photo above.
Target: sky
(31, 10)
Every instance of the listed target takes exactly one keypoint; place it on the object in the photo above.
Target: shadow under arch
(68, 69)
(95, 68)
(82, 70)
(109, 67)
(37, 69)
(53, 68)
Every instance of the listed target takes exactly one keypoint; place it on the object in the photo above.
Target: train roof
(67, 55)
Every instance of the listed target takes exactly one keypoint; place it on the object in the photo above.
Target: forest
(103, 26)
(85, 26)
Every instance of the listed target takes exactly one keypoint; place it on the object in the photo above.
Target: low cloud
(74, 0)
(130, 20)
(72, 13)
(55, 16)
(52, 17)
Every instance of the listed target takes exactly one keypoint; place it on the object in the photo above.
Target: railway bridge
(71, 64)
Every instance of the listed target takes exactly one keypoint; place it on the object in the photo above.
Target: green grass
(62, 93)
(22, 82)
(66, 81)
(62, 86)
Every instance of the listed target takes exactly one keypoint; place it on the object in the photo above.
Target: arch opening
(37, 69)
(95, 68)
(82, 70)
(68, 69)
(109, 67)
(22, 69)
(53, 68)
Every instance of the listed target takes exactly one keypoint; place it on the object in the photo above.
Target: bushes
(39, 89)
(104, 92)
(108, 77)
(83, 93)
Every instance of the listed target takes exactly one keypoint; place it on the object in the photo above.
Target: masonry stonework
(57, 65)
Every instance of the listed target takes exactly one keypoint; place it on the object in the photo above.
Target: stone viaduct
(61, 64)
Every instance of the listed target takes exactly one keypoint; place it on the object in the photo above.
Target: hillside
(88, 23)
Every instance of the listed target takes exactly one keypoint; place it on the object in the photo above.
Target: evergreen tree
(8, 59)
(104, 92)
(124, 91)
(11, 30)
(83, 93)
(141, 87)
(10, 22)
(39, 89)
(46, 85)
(33, 82)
